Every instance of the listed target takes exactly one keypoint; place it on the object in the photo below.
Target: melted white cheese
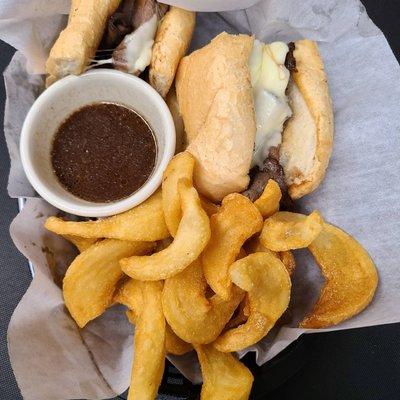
(139, 44)
(269, 78)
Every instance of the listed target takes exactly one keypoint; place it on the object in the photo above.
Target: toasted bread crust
(172, 41)
(78, 42)
(311, 81)
(216, 102)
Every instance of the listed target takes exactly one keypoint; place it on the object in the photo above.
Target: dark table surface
(356, 364)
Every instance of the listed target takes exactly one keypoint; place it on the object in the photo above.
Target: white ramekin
(64, 97)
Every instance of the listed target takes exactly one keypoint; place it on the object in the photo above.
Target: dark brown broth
(103, 152)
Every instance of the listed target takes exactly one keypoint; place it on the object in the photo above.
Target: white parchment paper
(212, 5)
(51, 358)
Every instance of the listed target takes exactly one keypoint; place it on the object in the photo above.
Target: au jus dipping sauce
(103, 152)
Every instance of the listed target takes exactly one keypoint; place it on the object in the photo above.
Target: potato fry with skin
(288, 231)
(174, 344)
(242, 311)
(267, 282)
(268, 202)
(242, 254)
(92, 278)
(192, 316)
(208, 206)
(130, 295)
(132, 317)
(350, 274)
(163, 244)
(237, 220)
(241, 316)
(224, 377)
(192, 236)
(254, 246)
(181, 166)
(80, 243)
(149, 345)
(143, 223)
(288, 260)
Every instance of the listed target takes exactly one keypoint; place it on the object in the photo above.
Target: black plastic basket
(268, 377)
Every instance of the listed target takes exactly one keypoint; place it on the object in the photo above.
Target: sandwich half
(130, 34)
(242, 101)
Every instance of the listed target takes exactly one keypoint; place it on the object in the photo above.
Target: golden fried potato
(174, 344)
(241, 314)
(266, 280)
(254, 246)
(208, 206)
(130, 295)
(192, 236)
(288, 260)
(237, 220)
(288, 231)
(350, 274)
(224, 377)
(268, 202)
(80, 243)
(149, 344)
(143, 223)
(242, 254)
(181, 166)
(191, 315)
(92, 278)
(132, 317)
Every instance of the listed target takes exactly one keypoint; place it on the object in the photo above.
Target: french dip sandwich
(247, 106)
(135, 33)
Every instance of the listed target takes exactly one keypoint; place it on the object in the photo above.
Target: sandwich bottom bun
(307, 139)
(171, 43)
(216, 103)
